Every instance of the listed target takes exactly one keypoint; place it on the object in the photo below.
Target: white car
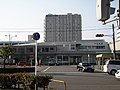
(111, 66)
(117, 74)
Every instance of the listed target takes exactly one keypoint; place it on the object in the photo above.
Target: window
(78, 45)
(39, 49)
(83, 47)
(100, 47)
(73, 47)
(21, 50)
(45, 49)
(29, 50)
(114, 62)
(51, 49)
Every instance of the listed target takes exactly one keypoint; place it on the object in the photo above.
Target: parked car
(117, 74)
(51, 63)
(23, 63)
(111, 66)
(85, 67)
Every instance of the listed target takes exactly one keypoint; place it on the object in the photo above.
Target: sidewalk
(98, 68)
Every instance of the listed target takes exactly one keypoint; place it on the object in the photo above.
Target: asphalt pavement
(76, 80)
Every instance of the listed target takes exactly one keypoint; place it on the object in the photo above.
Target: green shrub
(28, 80)
(41, 81)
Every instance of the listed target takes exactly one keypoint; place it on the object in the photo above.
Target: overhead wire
(28, 30)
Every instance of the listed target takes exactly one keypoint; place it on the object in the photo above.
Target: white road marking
(46, 69)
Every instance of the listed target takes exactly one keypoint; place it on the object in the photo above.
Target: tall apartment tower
(63, 28)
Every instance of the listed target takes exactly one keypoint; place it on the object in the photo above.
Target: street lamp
(113, 37)
(10, 38)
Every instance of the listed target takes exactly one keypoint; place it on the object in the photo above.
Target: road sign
(36, 36)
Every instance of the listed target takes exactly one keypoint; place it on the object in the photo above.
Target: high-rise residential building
(63, 28)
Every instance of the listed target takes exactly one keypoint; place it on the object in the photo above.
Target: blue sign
(36, 36)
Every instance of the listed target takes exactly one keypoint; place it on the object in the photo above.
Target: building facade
(118, 34)
(62, 52)
(63, 28)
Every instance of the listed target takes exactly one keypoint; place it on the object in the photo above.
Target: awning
(104, 56)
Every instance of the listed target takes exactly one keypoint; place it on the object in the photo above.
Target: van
(111, 66)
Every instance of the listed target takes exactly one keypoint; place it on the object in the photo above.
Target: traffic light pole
(114, 50)
(113, 37)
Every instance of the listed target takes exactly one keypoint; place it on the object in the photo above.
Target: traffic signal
(104, 10)
(99, 35)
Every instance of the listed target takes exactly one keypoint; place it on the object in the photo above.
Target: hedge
(27, 80)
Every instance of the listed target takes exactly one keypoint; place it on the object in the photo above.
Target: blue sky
(28, 15)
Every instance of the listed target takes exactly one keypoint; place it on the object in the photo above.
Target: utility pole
(114, 50)
(113, 37)
(103, 14)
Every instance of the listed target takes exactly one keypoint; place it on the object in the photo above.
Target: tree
(5, 52)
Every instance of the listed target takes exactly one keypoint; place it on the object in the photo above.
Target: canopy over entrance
(104, 56)
(107, 55)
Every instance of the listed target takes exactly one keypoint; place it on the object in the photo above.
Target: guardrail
(58, 81)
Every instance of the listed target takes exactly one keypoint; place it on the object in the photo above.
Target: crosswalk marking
(46, 69)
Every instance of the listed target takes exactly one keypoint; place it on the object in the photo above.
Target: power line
(92, 29)
(18, 28)
(31, 30)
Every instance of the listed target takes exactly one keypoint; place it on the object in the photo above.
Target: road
(80, 80)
